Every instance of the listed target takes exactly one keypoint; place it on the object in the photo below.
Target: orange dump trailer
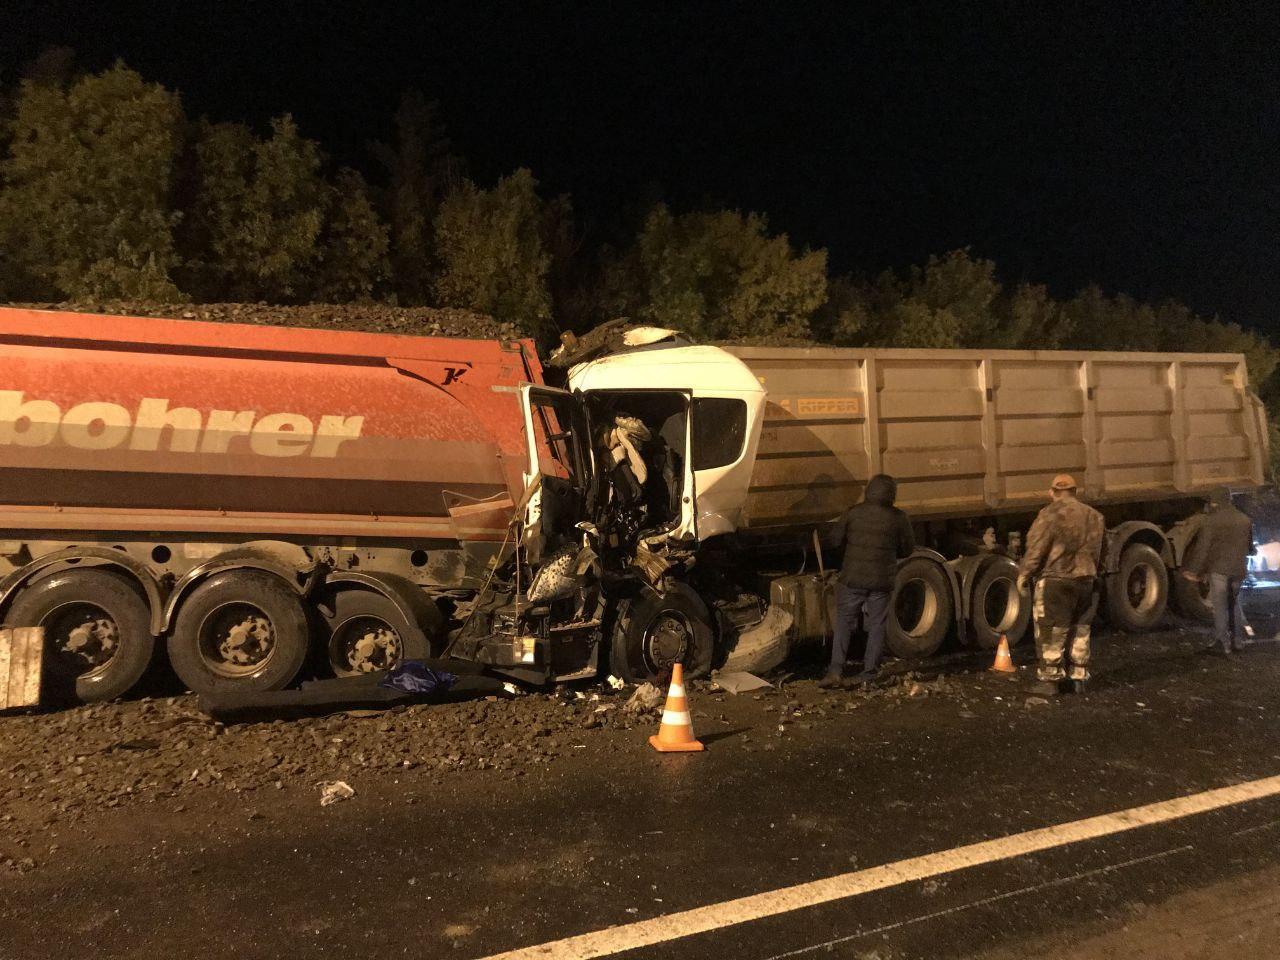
(161, 455)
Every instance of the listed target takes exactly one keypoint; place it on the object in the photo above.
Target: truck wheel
(1191, 598)
(97, 628)
(921, 609)
(239, 631)
(1138, 592)
(998, 609)
(369, 632)
(652, 633)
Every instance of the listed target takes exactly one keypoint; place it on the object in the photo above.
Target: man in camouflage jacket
(1064, 548)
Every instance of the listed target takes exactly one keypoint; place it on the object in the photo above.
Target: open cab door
(560, 474)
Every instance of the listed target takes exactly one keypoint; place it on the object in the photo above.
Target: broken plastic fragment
(331, 791)
(738, 681)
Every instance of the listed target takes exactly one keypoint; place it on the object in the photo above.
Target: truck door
(560, 466)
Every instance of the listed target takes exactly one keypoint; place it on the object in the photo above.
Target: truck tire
(241, 631)
(1138, 592)
(1191, 598)
(651, 633)
(998, 609)
(98, 640)
(921, 609)
(367, 632)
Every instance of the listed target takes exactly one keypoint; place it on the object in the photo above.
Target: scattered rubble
(646, 698)
(365, 317)
(58, 769)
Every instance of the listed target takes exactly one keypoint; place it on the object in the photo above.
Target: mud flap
(764, 646)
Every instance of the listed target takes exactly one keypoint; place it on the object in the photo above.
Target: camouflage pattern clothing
(1065, 542)
(1063, 612)
(1064, 548)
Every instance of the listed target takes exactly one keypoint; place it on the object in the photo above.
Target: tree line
(109, 191)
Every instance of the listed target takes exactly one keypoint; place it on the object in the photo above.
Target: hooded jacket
(876, 536)
(1224, 542)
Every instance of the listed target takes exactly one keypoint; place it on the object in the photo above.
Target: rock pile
(365, 317)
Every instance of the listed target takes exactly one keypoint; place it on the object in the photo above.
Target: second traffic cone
(676, 733)
(1004, 662)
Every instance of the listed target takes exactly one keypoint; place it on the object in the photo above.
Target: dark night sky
(1131, 144)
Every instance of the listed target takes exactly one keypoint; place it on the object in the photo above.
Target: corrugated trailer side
(971, 432)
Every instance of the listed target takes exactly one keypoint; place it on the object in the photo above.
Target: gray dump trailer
(974, 438)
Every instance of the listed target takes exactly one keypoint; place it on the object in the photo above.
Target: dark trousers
(853, 606)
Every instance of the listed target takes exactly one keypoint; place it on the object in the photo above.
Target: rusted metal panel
(236, 428)
(970, 430)
(21, 650)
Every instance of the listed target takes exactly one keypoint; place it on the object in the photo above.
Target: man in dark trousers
(1064, 547)
(876, 536)
(1219, 554)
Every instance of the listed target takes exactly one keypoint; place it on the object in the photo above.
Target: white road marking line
(643, 933)
(984, 902)
(1259, 827)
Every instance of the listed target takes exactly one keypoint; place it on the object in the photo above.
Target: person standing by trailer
(876, 535)
(1064, 547)
(1219, 553)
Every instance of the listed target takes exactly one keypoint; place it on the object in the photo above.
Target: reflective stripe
(673, 719)
(677, 690)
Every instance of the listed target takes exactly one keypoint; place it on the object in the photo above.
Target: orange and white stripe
(676, 732)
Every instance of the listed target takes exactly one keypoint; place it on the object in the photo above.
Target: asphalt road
(793, 788)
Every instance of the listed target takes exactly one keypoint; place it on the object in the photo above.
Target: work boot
(1080, 686)
(831, 679)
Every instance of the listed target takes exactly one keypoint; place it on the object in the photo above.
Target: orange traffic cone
(676, 733)
(1004, 662)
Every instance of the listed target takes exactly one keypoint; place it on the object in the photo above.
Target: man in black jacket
(876, 536)
(1220, 554)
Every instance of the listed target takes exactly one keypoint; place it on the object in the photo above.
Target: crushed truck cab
(644, 458)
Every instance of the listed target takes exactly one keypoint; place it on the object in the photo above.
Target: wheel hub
(247, 642)
(94, 640)
(667, 640)
(1141, 588)
(236, 640)
(373, 647)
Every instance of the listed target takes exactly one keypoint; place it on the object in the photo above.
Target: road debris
(331, 791)
(739, 681)
(646, 698)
